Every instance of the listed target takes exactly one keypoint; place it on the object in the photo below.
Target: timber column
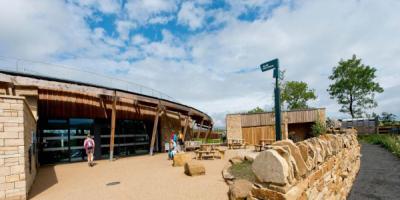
(113, 118)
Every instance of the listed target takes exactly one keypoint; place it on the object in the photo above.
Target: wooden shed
(296, 125)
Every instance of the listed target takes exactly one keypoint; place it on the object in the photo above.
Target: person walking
(89, 145)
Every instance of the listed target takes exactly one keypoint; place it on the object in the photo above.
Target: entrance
(61, 140)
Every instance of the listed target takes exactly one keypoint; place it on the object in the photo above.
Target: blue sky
(206, 53)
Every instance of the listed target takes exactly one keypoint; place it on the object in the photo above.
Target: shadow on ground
(45, 178)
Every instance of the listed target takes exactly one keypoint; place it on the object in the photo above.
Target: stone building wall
(317, 168)
(234, 126)
(17, 124)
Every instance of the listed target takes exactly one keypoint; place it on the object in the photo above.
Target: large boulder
(270, 167)
(236, 160)
(181, 158)
(194, 169)
(240, 189)
(295, 152)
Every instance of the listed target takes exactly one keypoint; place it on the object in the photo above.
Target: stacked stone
(323, 167)
(13, 152)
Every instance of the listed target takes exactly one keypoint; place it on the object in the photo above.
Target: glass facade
(61, 140)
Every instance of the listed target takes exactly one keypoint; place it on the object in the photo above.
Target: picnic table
(236, 143)
(208, 151)
(262, 144)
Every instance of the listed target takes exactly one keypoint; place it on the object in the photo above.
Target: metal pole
(278, 131)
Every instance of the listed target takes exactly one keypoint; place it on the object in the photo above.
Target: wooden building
(122, 123)
(362, 125)
(252, 128)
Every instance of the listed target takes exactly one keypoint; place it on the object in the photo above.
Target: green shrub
(318, 128)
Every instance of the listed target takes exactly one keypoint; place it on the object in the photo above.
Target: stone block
(240, 189)
(9, 135)
(236, 160)
(265, 193)
(12, 178)
(295, 152)
(4, 171)
(13, 142)
(20, 184)
(270, 167)
(194, 169)
(17, 169)
(181, 158)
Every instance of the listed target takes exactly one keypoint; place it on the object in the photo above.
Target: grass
(243, 171)
(209, 140)
(389, 142)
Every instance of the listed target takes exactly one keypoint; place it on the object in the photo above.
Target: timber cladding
(261, 126)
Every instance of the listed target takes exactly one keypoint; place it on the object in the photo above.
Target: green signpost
(274, 64)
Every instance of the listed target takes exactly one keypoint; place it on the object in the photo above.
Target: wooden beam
(201, 126)
(186, 126)
(209, 132)
(113, 118)
(155, 125)
(103, 105)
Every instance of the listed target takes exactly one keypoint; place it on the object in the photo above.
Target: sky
(206, 53)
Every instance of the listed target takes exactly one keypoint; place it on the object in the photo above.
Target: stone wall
(17, 125)
(323, 167)
(234, 126)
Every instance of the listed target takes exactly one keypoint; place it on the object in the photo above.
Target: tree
(296, 94)
(354, 86)
(256, 110)
(387, 118)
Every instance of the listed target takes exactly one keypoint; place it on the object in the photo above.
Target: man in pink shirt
(89, 147)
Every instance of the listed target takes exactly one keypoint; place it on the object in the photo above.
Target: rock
(236, 160)
(240, 189)
(194, 169)
(303, 151)
(270, 167)
(251, 156)
(295, 152)
(226, 175)
(181, 158)
(285, 153)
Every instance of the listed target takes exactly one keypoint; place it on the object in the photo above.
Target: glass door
(79, 129)
(54, 143)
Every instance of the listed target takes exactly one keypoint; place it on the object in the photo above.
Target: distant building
(252, 128)
(362, 125)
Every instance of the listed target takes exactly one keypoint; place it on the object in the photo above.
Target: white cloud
(144, 10)
(191, 15)
(216, 71)
(124, 27)
(105, 6)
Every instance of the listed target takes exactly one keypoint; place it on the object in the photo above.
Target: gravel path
(379, 176)
(141, 177)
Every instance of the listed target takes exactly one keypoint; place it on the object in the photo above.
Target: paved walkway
(379, 176)
(140, 177)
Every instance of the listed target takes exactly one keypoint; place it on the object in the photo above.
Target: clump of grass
(243, 171)
(389, 142)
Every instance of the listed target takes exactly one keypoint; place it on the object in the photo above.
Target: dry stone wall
(17, 159)
(323, 167)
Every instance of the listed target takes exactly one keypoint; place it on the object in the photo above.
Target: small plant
(318, 128)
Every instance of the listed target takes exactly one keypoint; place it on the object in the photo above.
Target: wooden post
(113, 118)
(155, 125)
(186, 126)
(198, 131)
(209, 132)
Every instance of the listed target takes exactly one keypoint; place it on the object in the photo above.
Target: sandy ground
(141, 177)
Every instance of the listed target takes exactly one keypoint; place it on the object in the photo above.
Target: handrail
(68, 73)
